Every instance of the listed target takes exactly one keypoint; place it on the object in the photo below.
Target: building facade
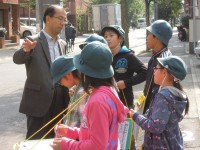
(9, 19)
(77, 12)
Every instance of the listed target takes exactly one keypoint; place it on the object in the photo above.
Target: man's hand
(28, 45)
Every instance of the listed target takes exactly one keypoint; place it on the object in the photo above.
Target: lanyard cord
(145, 96)
(124, 98)
(149, 85)
(72, 106)
(142, 98)
(72, 101)
(76, 103)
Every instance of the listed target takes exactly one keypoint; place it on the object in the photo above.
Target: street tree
(103, 1)
(166, 9)
(130, 11)
(147, 8)
(124, 20)
(136, 9)
(28, 3)
(169, 10)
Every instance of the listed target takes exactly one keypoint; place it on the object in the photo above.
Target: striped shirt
(53, 46)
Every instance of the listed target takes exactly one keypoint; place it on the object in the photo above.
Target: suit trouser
(35, 123)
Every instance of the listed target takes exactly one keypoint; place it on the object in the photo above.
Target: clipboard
(34, 145)
(125, 131)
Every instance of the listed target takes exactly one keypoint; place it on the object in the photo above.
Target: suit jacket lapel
(45, 46)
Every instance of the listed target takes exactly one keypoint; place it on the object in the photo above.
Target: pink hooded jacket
(99, 126)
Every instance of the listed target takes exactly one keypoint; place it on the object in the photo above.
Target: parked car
(27, 27)
(141, 22)
(197, 49)
(26, 30)
(28, 21)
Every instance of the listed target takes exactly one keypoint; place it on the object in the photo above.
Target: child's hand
(60, 130)
(56, 144)
(121, 85)
(72, 90)
(131, 113)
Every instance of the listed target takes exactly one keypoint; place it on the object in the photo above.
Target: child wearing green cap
(63, 71)
(161, 124)
(92, 38)
(159, 34)
(103, 111)
(65, 74)
(128, 69)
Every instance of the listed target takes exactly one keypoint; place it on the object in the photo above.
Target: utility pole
(39, 15)
(38, 27)
(29, 13)
(194, 27)
(62, 33)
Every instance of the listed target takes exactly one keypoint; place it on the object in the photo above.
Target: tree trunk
(124, 20)
(147, 12)
(147, 17)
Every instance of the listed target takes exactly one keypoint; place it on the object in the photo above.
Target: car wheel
(26, 33)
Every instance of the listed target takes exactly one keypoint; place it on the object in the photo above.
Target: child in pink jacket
(103, 111)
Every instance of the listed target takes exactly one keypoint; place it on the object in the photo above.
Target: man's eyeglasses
(62, 19)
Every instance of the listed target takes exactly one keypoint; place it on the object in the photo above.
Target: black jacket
(131, 70)
(70, 32)
(150, 87)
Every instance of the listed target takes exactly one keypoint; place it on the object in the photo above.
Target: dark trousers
(59, 103)
(35, 123)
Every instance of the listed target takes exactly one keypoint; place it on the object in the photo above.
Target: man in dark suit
(41, 101)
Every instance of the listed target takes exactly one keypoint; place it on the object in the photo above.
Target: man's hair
(50, 11)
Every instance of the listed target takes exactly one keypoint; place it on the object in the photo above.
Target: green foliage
(3, 32)
(172, 7)
(185, 21)
(27, 3)
(136, 9)
(164, 12)
(167, 9)
(104, 1)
